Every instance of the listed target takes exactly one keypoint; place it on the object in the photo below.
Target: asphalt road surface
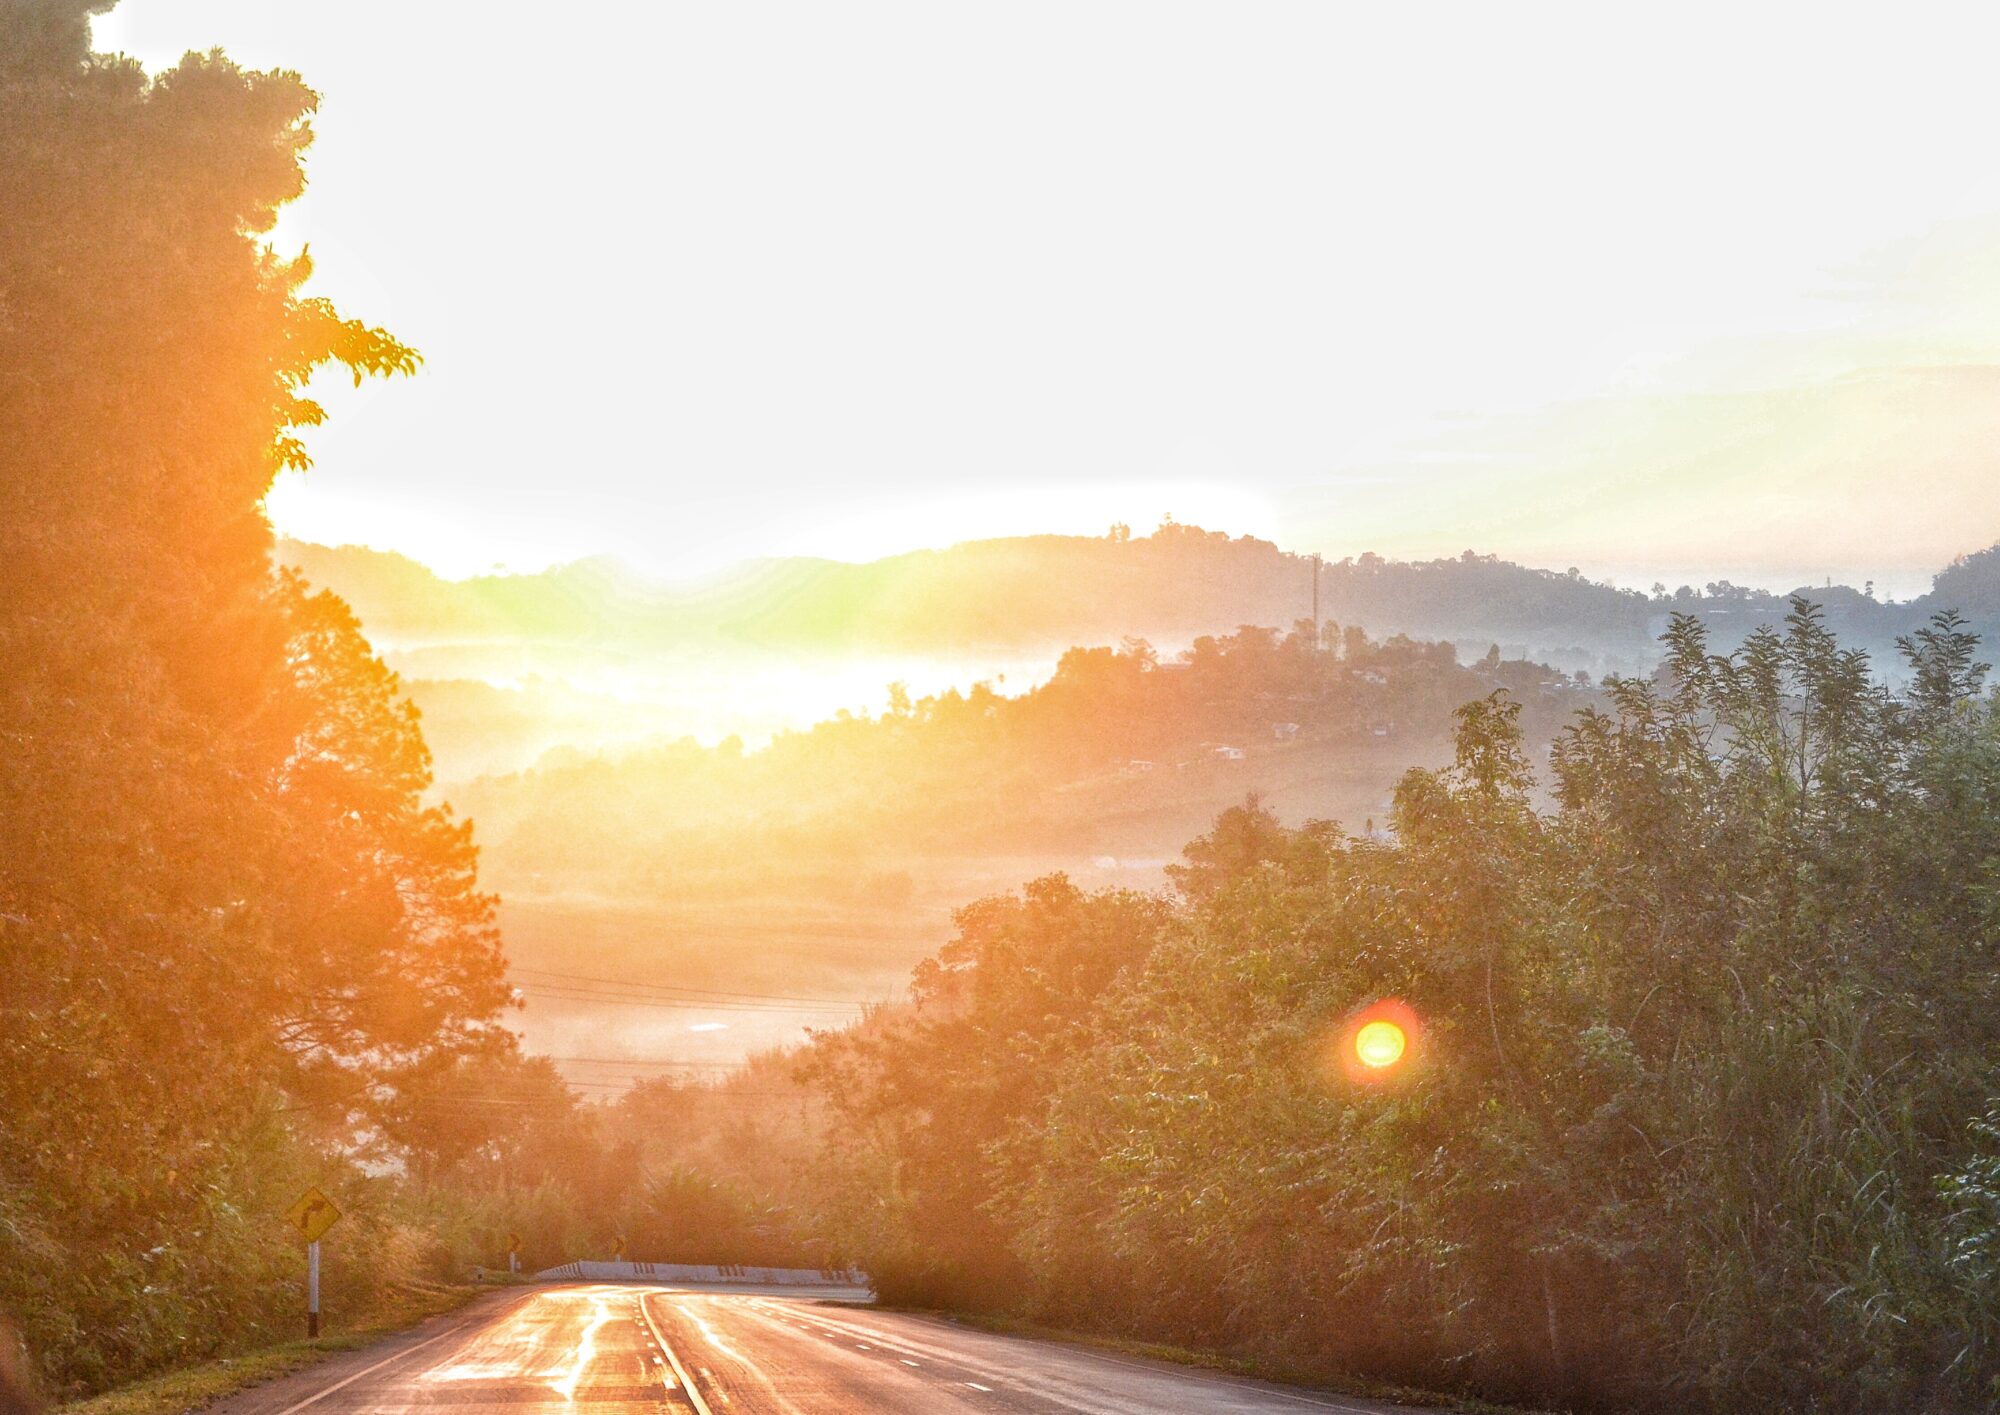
(629, 1348)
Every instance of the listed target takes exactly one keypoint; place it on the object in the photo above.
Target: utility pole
(1316, 644)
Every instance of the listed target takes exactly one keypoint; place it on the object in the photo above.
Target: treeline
(497, 1146)
(236, 946)
(1062, 767)
(1702, 1111)
(1042, 592)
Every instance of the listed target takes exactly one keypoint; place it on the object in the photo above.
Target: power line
(679, 988)
(731, 1093)
(569, 994)
(615, 1087)
(591, 990)
(655, 992)
(643, 1061)
(719, 1092)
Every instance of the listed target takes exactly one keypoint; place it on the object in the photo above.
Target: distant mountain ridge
(1048, 592)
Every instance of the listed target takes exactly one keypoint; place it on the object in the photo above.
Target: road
(614, 1347)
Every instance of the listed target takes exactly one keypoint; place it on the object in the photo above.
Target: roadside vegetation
(242, 953)
(192, 1387)
(1701, 1112)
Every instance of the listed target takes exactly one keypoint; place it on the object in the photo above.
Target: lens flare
(1379, 1044)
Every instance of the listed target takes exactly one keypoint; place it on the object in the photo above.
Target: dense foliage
(927, 1102)
(1702, 1111)
(231, 931)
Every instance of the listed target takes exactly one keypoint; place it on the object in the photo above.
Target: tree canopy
(231, 924)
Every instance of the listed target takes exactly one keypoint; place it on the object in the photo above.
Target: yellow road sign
(313, 1214)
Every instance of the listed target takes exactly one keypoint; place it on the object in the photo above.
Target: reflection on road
(586, 1349)
(616, 1347)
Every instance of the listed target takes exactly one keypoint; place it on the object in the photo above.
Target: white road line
(907, 1361)
(977, 1386)
(1222, 1380)
(950, 1356)
(370, 1370)
(687, 1382)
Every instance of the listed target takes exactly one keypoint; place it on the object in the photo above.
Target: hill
(1046, 593)
(828, 861)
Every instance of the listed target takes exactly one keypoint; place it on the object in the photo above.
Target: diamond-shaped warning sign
(313, 1214)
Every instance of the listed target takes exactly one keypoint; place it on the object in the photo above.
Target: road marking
(862, 1346)
(687, 1382)
(977, 1386)
(907, 1361)
(370, 1370)
(955, 1329)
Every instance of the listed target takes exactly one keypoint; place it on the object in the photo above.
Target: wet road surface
(606, 1347)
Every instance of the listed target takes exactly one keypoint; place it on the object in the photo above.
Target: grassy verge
(195, 1386)
(1249, 1367)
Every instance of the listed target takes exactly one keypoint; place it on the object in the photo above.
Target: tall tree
(221, 897)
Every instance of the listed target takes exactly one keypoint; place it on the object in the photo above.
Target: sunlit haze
(1655, 296)
(848, 702)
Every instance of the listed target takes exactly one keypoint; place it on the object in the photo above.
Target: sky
(1680, 294)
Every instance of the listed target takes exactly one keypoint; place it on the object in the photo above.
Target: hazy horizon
(1889, 586)
(780, 292)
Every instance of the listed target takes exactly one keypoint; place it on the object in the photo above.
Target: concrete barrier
(590, 1271)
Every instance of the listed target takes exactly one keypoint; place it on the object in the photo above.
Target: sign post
(312, 1215)
(513, 1252)
(312, 1288)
